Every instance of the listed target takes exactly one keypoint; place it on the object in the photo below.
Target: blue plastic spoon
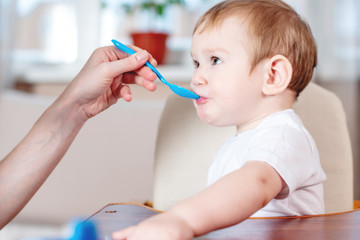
(183, 92)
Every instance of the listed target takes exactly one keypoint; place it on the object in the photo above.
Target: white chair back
(186, 146)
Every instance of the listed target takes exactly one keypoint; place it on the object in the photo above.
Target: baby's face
(229, 93)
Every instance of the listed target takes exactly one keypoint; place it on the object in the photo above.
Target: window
(67, 31)
(46, 31)
(335, 25)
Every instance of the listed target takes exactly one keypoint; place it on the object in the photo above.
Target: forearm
(24, 170)
(101, 82)
(231, 200)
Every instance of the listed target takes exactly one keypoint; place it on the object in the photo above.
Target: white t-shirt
(282, 141)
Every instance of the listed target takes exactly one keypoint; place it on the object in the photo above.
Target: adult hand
(102, 81)
(105, 78)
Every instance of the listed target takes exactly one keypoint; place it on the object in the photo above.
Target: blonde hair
(273, 28)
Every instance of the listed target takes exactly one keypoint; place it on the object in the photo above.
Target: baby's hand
(164, 226)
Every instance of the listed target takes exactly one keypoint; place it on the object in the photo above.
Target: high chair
(186, 147)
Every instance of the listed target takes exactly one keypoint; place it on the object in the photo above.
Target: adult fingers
(128, 64)
(134, 78)
(125, 93)
(151, 59)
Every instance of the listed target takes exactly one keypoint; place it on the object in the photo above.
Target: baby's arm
(230, 200)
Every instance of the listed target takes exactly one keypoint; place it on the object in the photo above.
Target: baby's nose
(198, 80)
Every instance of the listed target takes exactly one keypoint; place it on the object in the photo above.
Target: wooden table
(339, 226)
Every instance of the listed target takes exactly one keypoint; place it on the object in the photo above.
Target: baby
(252, 59)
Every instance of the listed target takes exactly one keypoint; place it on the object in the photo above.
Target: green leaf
(160, 8)
(151, 5)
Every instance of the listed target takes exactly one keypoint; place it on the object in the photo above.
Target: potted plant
(152, 38)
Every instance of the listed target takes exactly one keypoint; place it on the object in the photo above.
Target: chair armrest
(356, 204)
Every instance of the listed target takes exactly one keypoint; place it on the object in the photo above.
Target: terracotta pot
(153, 42)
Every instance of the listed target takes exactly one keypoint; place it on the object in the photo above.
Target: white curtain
(335, 25)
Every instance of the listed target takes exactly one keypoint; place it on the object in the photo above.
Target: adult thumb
(129, 64)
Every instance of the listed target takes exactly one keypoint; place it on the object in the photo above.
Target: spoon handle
(129, 51)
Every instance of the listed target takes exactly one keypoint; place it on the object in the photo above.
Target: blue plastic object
(84, 231)
(81, 230)
(183, 92)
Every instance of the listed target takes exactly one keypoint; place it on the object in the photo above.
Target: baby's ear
(278, 75)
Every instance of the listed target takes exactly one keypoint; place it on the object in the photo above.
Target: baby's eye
(196, 64)
(215, 60)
